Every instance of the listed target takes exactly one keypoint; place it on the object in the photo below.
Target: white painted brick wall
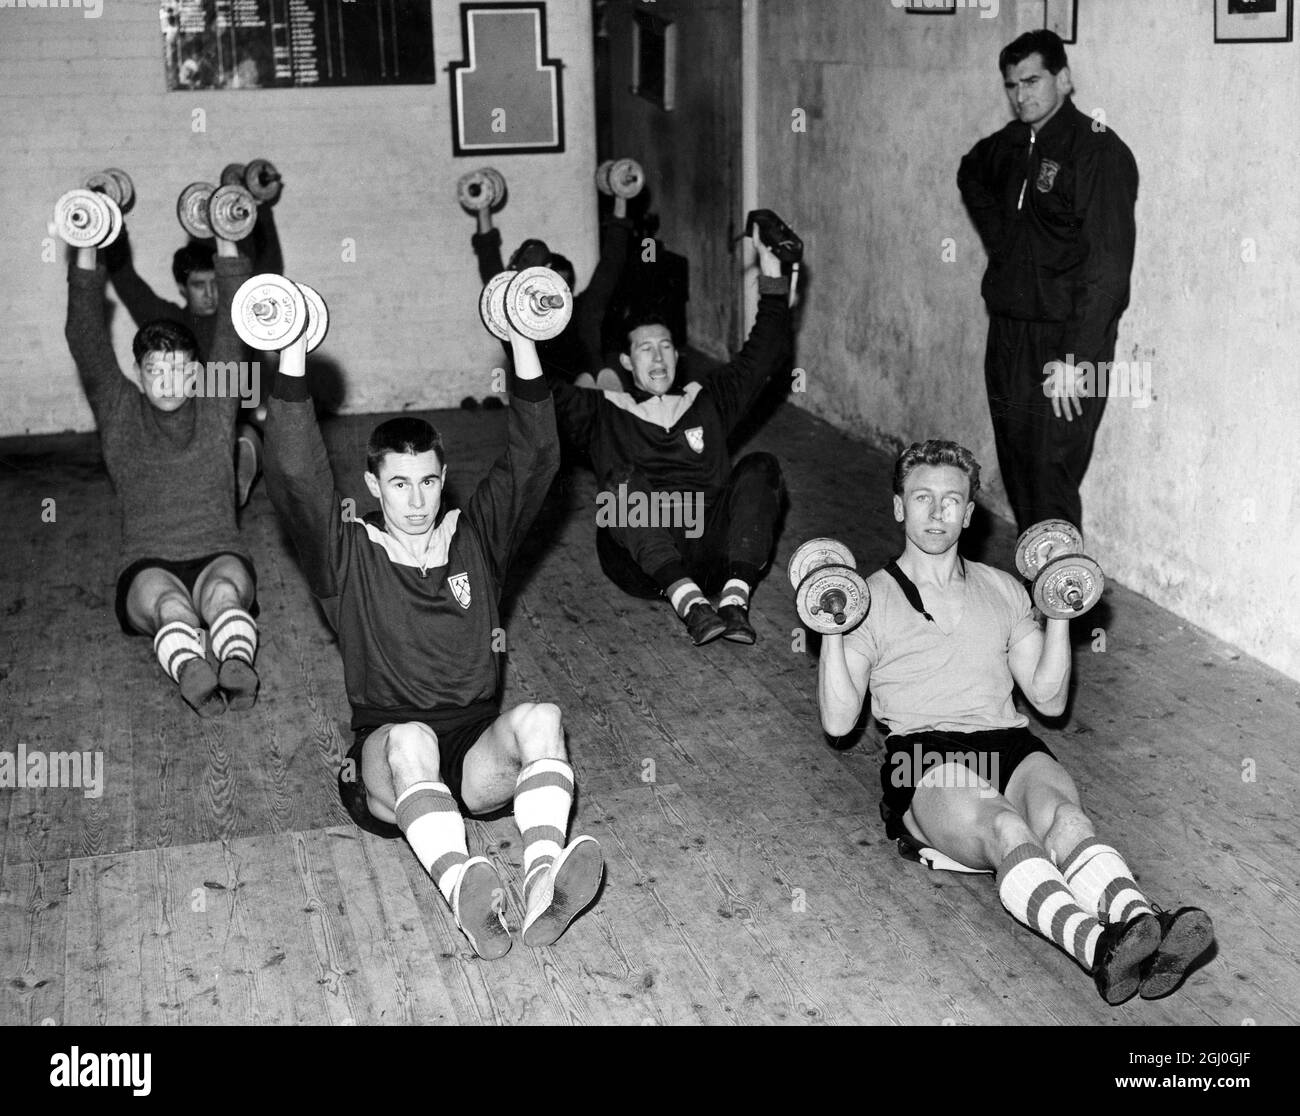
(372, 163)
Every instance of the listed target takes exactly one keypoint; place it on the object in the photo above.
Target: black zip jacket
(1055, 213)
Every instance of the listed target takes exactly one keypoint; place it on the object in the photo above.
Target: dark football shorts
(456, 736)
(993, 754)
(187, 571)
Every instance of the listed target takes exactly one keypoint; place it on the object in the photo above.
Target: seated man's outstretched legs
(414, 779)
(1098, 876)
(401, 773)
(174, 605)
(159, 605)
(644, 542)
(751, 507)
(686, 546)
(559, 880)
(1055, 877)
(224, 593)
(984, 829)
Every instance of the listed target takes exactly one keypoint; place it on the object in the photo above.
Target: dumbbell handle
(833, 601)
(1072, 594)
(265, 310)
(547, 302)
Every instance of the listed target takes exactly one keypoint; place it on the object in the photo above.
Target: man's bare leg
(977, 826)
(525, 747)
(248, 460)
(1098, 876)
(400, 765)
(223, 593)
(158, 604)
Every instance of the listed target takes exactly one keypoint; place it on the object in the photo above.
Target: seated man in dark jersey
(169, 447)
(674, 517)
(414, 594)
(967, 786)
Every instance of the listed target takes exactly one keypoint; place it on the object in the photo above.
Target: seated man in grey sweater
(196, 280)
(169, 449)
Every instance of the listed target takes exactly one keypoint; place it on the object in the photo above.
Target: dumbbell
(115, 184)
(1067, 582)
(481, 189)
(271, 312)
(830, 594)
(776, 234)
(536, 301)
(87, 219)
(259, 178)
(204, 210)
(623, 178)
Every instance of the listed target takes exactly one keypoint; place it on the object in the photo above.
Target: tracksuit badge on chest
(695, 438)
(460, 587)
(1047, 171)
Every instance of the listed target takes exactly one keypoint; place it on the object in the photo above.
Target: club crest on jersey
(460, 587)
(1047, 171)
(695, 438)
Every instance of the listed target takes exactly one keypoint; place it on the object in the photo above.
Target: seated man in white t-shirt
(966, 785)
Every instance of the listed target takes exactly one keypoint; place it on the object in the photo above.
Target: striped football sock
(684, 595)
(175, 645)
(1035, 893)
(735, 592)
(1100, 880)
(234, 636)
(430, 818)
(543, 799)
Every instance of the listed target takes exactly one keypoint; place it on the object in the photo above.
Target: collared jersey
(415, 639)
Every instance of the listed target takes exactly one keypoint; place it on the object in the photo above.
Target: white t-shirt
(922, 679)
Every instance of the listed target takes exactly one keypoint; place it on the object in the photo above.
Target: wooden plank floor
(217, 879)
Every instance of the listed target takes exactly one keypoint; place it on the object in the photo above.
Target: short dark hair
(1044, 42)
(936, 452)
(634, 317)
(162, 335)
(195, 256)
(531, 253)
(401, 435)
(560, 263)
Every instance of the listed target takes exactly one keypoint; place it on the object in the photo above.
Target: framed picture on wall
(654, 59)
(263, 44)
(506, 94)
(1062, 16)
(1252, 21)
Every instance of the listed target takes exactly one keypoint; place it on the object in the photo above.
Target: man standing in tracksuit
(1052, 196)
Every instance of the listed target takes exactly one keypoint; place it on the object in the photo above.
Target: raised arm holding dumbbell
(621, 180)
(192, 266)
(169, 449)
(573, 356)
(967, 786)
(413, 591)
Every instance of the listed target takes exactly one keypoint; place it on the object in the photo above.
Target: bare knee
(1006, 830)
(1067, 826)
(219, 594)
(539, 731)
(412, 752)
(171, 605)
